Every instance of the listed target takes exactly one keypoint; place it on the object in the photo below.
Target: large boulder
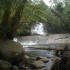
(68, 65)
(37, 64)
(66, 54)
(60, 64)
(27, 57)
(24, 68)
(14, 68)
(44, 59)
(4, 65)
(57, 59)
(11, 51)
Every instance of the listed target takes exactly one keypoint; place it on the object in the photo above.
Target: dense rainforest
(17, 16)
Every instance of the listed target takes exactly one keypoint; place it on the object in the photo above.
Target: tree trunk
(17, 17)
(5, 22)
(7, 30)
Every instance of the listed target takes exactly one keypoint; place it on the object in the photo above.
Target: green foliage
(59, 21)
(1, 15)
(56, 19)
(34, 11)
(9, 22)
(23, 29)
(15, 15)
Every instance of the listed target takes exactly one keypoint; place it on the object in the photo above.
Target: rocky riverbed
(40, 57)
(58, 38)
(13, 58)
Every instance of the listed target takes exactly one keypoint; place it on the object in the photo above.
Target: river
(29, 42)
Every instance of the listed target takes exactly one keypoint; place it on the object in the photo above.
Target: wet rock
(59, 51)
(24, 68)
(14, 68)
(66, 48)
(32, 58)
(4, 65)
(37, 64)
(58, 38)
(56, 59)
(44, 59)
(60, 64)
(65, 61)
(11, 51)
(24, 64)
(56, 66)
(68, 65)
(66, 54)
(27, 57)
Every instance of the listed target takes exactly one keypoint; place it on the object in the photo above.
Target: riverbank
(13, 57)
(14, 53)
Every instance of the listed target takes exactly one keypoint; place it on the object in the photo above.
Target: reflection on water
(35, 53)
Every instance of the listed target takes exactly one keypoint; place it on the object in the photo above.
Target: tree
(33, 12)
(8, 28)
(59, 13)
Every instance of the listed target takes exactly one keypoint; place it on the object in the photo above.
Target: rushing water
(38, 29)
(33, 53)
(41, 42)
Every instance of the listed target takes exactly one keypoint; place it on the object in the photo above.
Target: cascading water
(32, 40)
(38, 29)
(35, 41)
(42, 40)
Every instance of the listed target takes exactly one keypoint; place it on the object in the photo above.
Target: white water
(38, 29)
(31, 40)
(51, 39)
(27, 41)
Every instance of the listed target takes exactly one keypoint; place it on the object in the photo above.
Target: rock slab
(44, 59)
(38, 64)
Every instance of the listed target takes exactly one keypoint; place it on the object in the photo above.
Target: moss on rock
(11, 51)
(4, 65)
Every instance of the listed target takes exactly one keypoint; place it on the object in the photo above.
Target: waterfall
(38, 40)
(40, 37)
(38, 29)
(31, 40)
